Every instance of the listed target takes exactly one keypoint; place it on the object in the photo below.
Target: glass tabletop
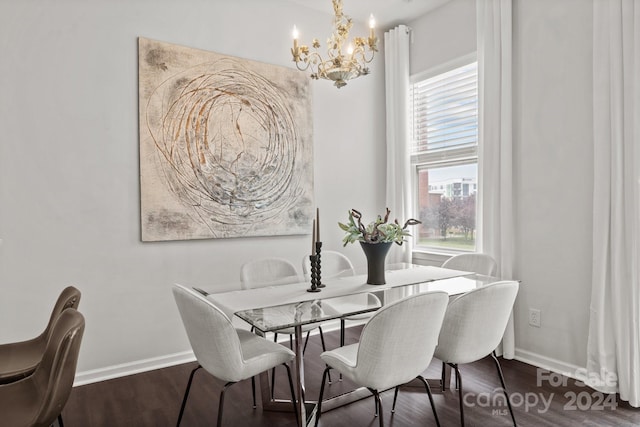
(276, 317)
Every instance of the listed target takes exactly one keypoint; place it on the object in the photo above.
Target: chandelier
(337, 66)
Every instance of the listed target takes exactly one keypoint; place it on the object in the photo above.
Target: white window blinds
(445, 111)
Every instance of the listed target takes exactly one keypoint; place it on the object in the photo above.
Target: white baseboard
(135, 367)
(553, 365)
(139, 366)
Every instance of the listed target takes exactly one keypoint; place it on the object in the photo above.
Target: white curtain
(398, 195)
(495, 199)
(613, 360)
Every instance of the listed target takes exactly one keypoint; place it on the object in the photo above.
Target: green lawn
(452, 242)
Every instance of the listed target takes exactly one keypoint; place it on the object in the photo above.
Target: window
(444, 156)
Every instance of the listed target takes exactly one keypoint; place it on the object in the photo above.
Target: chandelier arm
(361, 53)
(305, 68)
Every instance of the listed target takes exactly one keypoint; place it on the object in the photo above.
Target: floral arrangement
(378, 231)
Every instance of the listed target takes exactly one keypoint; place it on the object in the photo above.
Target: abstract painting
(225, 146)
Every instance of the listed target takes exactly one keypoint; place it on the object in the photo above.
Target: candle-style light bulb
(294, 51)
(350, 49)
(372, 25)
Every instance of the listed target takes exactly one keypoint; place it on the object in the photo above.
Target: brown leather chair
(37, 400)
(19, 360)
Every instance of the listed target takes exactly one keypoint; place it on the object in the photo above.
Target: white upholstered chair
(335, 264)
(478, 263)
(227, 353)
(473, 327)
(264, 272)
(395, 347)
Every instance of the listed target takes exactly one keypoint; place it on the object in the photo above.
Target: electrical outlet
(534, 317)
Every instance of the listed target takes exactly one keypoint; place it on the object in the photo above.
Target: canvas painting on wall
(225, 145)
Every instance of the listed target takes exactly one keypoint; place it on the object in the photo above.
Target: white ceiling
(387, 13)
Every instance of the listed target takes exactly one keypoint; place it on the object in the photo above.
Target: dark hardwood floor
(153, 399)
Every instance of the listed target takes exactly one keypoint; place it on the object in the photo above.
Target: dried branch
(377, 231)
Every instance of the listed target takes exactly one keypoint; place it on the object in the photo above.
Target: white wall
(446, 33)
(69, 173)
(553, 99)
(552, 161)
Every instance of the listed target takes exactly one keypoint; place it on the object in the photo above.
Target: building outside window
(444, 156)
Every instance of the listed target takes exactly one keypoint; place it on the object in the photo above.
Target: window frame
(465, 154)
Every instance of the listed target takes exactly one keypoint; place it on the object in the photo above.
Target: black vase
(376, 254)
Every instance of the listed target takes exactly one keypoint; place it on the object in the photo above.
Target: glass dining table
(276, 307)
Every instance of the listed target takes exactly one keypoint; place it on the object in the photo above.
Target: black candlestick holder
(318, 266)
(314, 273)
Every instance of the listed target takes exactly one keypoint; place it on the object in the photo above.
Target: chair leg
(253, 391)
(273, 371)
(376, 395)
(293, 394)
(342, 332)
(459, 382)
(186, 394)
(273, 381)
(504, 389)
(324, 348)
(319, 406)
(221, 404)
(433, 405)
(395, 398)
(306, 340)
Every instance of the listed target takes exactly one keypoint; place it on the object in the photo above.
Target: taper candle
(313, 238)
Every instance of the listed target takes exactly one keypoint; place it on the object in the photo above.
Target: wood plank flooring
(152, 399)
